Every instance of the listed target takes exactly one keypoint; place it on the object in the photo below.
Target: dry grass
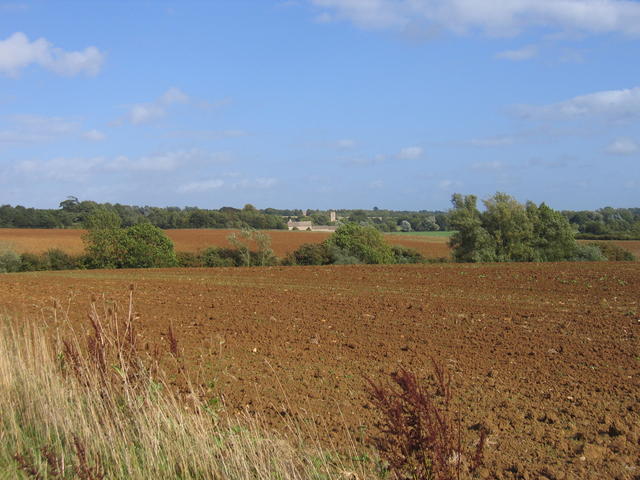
(98, 407)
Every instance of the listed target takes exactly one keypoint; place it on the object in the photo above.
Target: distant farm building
(291, 225)
(323, 228)
(299, 225)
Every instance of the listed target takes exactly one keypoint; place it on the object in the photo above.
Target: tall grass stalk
(62, 417)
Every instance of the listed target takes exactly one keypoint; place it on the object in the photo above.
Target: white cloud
(18, 52)
(79, 169)
(367, 161)
(36, 128)
(507, 17)
(375, 14)
(174, 95)
(13, 7)
(214, 184)
(612, 104)
(345, 144)
(623, 146)
(63, 169)
(324, 18)
(94, 135)
(491, 165)
(145, 113)
(498, 141)
(376, 184)
(199, 187)
(524, 53)
(165, 162)
(141, 113)
(262, 183)
(410, 153)
(209, 134)
(46, 125)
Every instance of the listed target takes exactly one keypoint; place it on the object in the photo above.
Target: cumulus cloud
(199, 187)
(13, 7)
(623, 146)
(62, 169)
(209, 134)
(507, 17)
(174, 95)
(145, 113)
(215, 183)
(447, 184)
(345, 144)
(524, 53)
(261, 183)
(366, 161)
(165, 162)
(35, 129)
(410, 153)
(494, 165)
(609, 104)
(141, 113)
(498, 141)
(94, 135)
(18, 52)
(79, 169)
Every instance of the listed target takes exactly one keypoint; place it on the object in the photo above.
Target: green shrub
(340, 256)
(32, 262)
(9, 260)
(140, 246)
(588, 253)
(56, 259)
(614, 253)
(188, 259)
(105, 247)
(406, 255)
(147, 246)
(310, 254)
(221, 257)
(364, 243)
(245, 239)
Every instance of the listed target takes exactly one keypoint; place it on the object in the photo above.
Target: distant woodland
(604, 223)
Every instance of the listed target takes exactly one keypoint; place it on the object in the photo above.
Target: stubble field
(545, 356)
(191, 240)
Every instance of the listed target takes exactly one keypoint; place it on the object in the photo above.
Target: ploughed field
(545, 356)
(37, 240)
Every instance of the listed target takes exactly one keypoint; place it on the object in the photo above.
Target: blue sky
(320, 103)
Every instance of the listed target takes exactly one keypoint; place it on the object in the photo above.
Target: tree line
(505, 231)
(606, 223)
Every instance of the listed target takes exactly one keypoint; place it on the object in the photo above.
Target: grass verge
(99, 409)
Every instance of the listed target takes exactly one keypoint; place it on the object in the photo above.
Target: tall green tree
(507, 231)
(471, 242)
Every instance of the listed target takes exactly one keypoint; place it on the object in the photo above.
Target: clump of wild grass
(421, 438)
(97, 406)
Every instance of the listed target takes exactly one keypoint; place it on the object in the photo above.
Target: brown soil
(546, 356)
